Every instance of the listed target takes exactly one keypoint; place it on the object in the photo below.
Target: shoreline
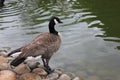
(29, 70)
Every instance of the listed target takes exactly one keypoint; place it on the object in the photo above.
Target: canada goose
(44, 44)
(2, 3)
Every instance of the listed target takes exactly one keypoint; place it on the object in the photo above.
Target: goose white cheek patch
(56, 22)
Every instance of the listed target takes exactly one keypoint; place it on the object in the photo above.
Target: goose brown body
(44, 44)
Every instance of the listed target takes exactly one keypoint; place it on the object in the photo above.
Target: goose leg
(49, 70)
(46, 65)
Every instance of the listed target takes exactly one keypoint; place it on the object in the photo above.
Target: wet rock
(7, 75)
(10, 59)
(53, 76)
(3, 53)
(21, 69)
(64, 77)
(29, 76)
(40, 71)
(58, 71)
(6, 49)
(77, 78)
(72, 75)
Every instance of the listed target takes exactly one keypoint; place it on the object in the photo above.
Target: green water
(90, 33)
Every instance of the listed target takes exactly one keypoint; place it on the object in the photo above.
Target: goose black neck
(52, 28)
(1, 3)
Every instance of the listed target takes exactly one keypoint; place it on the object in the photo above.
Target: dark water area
(90, 33)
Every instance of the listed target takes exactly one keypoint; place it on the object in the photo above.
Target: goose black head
(52, 23)
(55, 20)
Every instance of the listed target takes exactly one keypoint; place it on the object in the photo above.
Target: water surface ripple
(91, 42)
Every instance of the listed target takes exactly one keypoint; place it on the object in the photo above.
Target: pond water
(90, 33)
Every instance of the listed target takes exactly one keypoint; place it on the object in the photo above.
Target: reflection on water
(91, 40)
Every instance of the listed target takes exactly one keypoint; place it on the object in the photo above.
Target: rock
(7, 75)
(3, 59)
(40, 71)
(10, 59)
(21, 69)
(53, 76)
(3, 53)
(64, 77)
(77, 78)
(4, 63)
(29, 76)
(40, 66)
(32, 63)
(58, 71)
(45, 79)
(4, 66)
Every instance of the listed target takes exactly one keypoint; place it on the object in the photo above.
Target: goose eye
(56, 22)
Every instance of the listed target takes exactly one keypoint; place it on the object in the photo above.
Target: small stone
(4, 66)
(64, 77)
(22, 68)
(3, 53)
(40, 71)
(53, 76)
(58, 71)
(29, 76)
(3, 59)
(7, 75)
(32, 64)
(76, 78)
(3, 63)
(40, 66)
(10, 59)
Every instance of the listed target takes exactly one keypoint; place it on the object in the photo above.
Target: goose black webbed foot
(46, 66)
(49, 70)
